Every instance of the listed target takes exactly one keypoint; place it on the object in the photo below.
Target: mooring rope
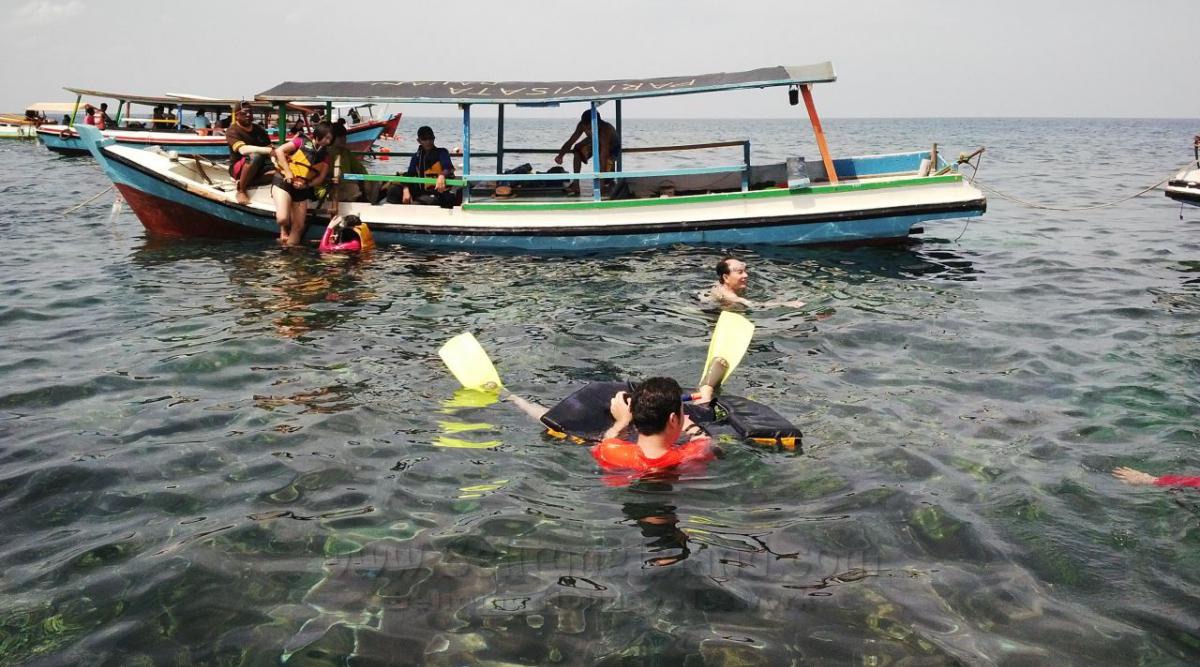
(87, 201)
(1046, 207)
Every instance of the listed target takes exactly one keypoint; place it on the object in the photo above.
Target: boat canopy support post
(621, 155)
(75, 111)
(500, 139)
(746, 164)
(329, 111)
(179, 117)
(596, 166)
(806, 90)
(120, 108)
(281, 122)
(466, 109)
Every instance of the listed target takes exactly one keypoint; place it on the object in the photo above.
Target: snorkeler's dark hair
(723, 267)
(653, 403)
(587, 115)
(322, 129)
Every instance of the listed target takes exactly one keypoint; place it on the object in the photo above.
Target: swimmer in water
(656, 411)
(730, 289)
(1139, 478)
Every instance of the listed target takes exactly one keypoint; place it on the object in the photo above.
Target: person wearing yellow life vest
(303, 163)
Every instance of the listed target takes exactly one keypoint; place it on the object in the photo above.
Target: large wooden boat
(177, 134)
(863, 199)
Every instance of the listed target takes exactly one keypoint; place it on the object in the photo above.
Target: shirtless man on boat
(730, 289)
(610, 145)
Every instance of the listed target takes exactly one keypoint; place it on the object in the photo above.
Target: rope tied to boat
(967, 160)
(86, 201)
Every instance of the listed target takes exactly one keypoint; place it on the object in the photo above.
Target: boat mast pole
(500, 140)
(596, 166)
(806, 90)
(466, 152)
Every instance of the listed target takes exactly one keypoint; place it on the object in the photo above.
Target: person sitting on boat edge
(105, 119)
(89, 115)
(1139, 478)
(430, 161)
(610, 145)
(249, 150)
(732, 280)
(303, 164)
(656, 411)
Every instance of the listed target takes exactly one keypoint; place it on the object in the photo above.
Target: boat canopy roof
(170, 99)
(53, 107)
(547, 92)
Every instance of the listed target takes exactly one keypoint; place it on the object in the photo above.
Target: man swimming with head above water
(730, 290)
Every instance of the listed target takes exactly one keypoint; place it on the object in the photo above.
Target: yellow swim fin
(730, 339)
(470, 365)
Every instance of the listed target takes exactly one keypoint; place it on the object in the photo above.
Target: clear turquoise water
(224, 453)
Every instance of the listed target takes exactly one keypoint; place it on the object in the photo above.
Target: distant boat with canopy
(177, 134)
(862, 199)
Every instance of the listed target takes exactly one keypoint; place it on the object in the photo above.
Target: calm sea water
(225, 453)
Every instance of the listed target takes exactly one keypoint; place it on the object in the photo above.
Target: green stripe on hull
(718, 197)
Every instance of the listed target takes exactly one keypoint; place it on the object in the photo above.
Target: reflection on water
(227, 453)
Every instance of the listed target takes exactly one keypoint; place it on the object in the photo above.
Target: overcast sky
(894, 58)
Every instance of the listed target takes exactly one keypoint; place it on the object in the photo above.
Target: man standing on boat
(610, 145)
(249, 150)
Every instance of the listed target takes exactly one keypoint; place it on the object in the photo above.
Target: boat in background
(1185, 187)
(851, 200)
(24, 126)
(177, 134)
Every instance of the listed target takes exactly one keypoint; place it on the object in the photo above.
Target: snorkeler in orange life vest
(656, 411)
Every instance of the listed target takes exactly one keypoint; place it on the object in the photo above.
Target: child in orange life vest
(302, 164)
(656, 410)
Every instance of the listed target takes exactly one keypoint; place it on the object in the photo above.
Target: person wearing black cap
(610, 144)
(430, 161)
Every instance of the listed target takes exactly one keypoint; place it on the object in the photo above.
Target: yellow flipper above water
(730, 339)
(466, 359)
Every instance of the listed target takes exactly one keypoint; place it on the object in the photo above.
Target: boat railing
(743, 168)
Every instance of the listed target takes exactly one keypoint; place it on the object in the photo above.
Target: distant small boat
(17, 130)
(1185, 187)
(176, 134)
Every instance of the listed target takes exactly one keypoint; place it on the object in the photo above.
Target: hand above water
(1135, 477)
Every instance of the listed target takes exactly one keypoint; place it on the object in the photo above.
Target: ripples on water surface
(222, 453)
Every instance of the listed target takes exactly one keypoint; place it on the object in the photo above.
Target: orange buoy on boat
(384, 150)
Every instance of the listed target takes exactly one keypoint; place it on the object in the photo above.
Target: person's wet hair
(653, 403)
(723, 267)
(424, 132)
(587, 115)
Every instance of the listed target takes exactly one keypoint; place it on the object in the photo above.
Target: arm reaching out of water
(1139, 478)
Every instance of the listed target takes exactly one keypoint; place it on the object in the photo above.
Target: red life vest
(617, 454)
